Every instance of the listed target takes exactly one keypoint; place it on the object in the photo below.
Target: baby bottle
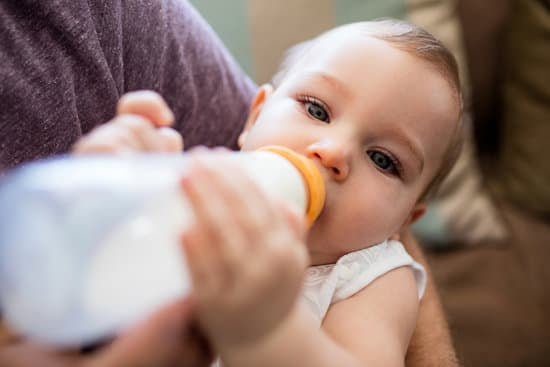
(91, 245)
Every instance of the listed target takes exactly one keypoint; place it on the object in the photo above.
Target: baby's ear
(416, 213)
(257, 103)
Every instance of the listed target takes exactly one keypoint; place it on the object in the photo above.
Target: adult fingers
(26, 354)
(166, 338)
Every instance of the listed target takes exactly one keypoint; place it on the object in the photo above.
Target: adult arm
(64, 64)
(431, 343)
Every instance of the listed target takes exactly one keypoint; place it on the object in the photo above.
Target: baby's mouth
(326, 206)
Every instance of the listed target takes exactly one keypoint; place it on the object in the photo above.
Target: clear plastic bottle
(90, 245)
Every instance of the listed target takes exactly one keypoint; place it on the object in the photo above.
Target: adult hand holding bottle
(167, 338)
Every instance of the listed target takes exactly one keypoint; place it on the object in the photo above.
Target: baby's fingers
(201, 239)
(148, 104)
(295, 219)
(171, 139)
(140, 132)
(145, 137)
(109, 138)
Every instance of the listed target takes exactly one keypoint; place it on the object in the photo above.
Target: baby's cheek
(374, 219)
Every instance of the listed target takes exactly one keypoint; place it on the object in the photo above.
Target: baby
(377, 106)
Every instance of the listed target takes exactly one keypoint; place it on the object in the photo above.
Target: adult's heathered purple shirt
(65, 63)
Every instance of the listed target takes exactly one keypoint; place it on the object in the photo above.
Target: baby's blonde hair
(415, 41)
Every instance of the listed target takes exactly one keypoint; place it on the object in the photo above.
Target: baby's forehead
(379, 42)
(360, 44)
(352, 35)
(335, 46)
(296, 56)
(386, 73)
(349, 36)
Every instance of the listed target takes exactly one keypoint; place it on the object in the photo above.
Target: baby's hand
(245, 253)
(141, 125)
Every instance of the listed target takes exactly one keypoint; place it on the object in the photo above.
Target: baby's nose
(332, 156)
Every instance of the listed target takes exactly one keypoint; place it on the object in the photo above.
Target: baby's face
(376, 120)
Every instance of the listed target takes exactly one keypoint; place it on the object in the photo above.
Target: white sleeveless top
(327, 284)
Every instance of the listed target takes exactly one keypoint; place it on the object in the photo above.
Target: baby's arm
(377, 323)
(372, 328)
(141, 125)
(247, 264)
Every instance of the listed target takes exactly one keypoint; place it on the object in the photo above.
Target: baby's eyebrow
(333, 81)
(411, 146)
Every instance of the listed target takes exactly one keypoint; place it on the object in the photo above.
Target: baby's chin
(314, 232)
(322, 247)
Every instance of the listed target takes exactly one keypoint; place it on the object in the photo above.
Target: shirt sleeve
(64, 65)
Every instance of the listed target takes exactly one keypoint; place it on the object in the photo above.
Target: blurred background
(487, 231)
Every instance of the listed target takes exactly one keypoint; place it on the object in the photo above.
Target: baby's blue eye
(317, 111)
(383, 161)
